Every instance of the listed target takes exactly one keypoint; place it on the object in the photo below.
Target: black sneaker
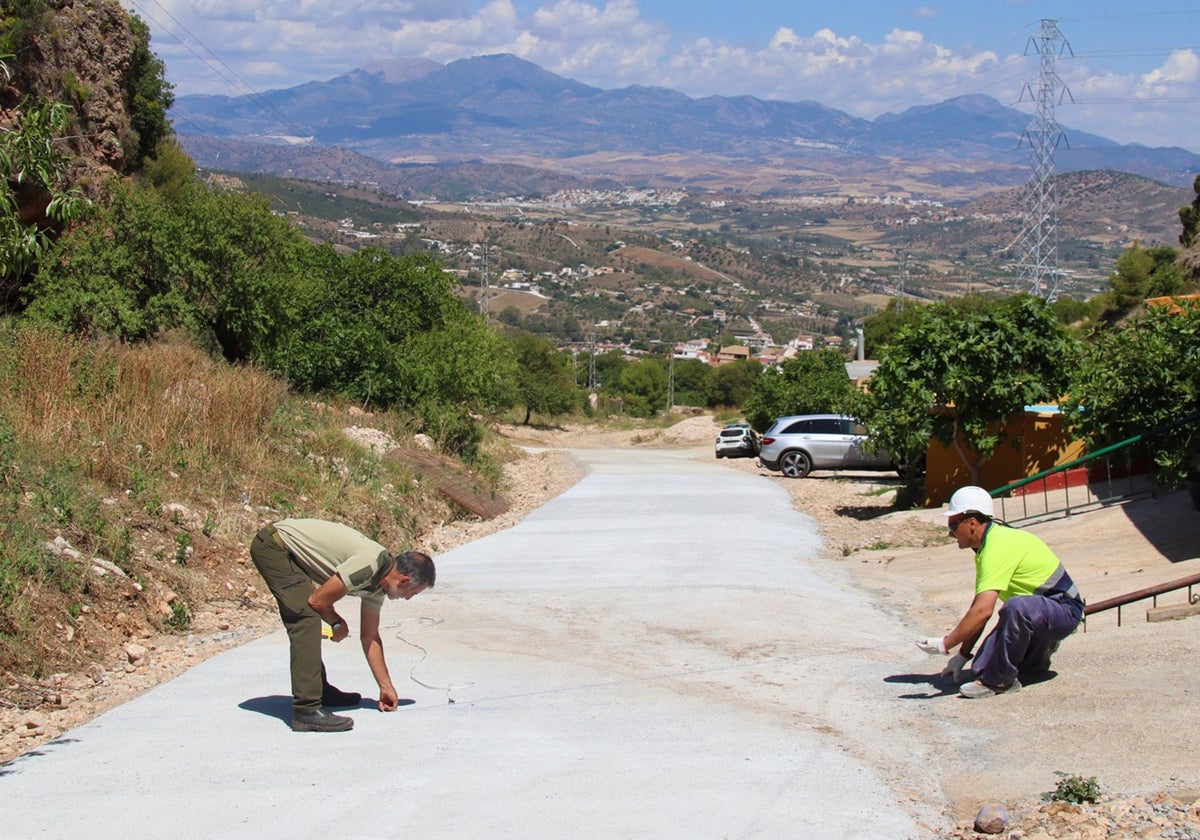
(320, 721)
(336, 698)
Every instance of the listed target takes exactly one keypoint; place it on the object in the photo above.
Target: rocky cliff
(80, 52)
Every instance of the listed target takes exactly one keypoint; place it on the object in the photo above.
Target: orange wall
(1044, 444)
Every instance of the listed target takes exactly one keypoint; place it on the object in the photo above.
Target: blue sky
(1133, 76)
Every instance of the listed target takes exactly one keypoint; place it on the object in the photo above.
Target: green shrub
(180, 617)
(1075, 789)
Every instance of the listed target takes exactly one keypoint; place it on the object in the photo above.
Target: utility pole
(671, 381)
(485, 289)
(1038, 269)
(591, 344)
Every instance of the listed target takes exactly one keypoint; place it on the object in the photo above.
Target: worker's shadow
(280, 706)
(947, 687)
(939, 686)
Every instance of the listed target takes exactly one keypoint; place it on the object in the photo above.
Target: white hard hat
(971, 499)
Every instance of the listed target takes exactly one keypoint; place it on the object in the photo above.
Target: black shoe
(320, 721)
(335, 697)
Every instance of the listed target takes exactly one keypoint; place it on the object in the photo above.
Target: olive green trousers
(291, 587)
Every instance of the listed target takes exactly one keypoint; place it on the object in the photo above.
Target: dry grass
(121, 411)
(161, 462)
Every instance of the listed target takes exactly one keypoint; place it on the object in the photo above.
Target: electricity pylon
(1038, 269)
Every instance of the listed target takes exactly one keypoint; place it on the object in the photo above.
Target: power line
(239, 83)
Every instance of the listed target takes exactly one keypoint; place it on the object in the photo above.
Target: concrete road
(653, 654)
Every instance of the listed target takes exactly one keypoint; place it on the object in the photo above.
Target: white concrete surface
(654, 654)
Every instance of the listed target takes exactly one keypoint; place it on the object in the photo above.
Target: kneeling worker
(1041, 604)
(294, 554)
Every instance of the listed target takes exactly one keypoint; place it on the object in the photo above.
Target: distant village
(753, 344)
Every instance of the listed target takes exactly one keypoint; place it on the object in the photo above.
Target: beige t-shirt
(326, 549)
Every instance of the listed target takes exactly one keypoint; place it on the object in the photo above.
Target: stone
(992, 819)
(135, 652)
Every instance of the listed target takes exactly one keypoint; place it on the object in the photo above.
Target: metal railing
(1118, 480)
(1151, 592)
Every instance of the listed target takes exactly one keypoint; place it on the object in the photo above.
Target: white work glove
(955, 665)
(933, 646)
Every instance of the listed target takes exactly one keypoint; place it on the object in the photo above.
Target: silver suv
(797, 445)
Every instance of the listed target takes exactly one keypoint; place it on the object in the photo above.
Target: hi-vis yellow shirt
(1014, 562)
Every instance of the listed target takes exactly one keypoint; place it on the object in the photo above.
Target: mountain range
(502, 111)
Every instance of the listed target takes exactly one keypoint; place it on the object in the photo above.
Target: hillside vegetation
(134, 476)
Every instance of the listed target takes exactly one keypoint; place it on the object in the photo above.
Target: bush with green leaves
(732, 383)
(545, 382)
(1137, 377)
(1074, 789)
(214, 263)
(33, 183)
(814, 382)
(960, 369)
(1141, 273)
(643, 387)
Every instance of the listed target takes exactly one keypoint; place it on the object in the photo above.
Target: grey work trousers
(1026, 635)
(291, 587)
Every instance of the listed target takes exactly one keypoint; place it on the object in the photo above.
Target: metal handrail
(1121, 446)
(1141, 594)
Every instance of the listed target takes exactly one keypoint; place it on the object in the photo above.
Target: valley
(640, 267)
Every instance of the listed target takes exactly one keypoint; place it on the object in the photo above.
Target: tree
(692, 379)
(217, 264)
(880, 327)
(348, 320)
(148, 94)
(1189, 217)
(643, 386)
(813, 382)
(958, 376)
(35, 198)
(1138, 377)
(732, 383)
(1142, 273)
(545, 382)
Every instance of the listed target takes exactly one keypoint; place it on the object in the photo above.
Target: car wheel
(795, 464)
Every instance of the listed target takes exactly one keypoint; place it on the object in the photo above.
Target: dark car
(737, 441)
(801, 443)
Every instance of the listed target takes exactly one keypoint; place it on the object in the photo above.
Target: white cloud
(1181, 68)
(279, 43)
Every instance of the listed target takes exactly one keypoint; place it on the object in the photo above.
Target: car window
(799, 427)
(857, 428)
(827, 426)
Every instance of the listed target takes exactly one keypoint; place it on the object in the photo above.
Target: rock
(32, 725)
(1059, 807)
(102, 567)
(992, 819)
(135, 652)
(59, 547)
(183, 515)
